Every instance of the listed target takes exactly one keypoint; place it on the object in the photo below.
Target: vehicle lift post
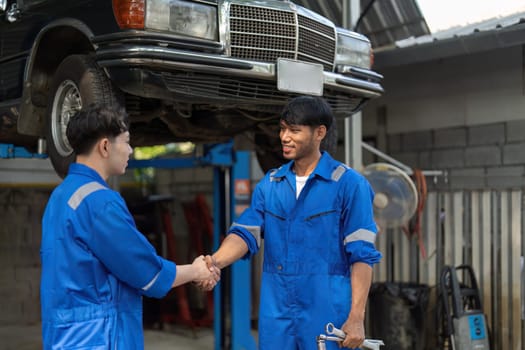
(10, 151)
(231, 194)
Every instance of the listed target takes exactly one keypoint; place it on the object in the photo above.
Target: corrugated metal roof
(498, 32)
(385, 21)
(454, 32)
(389, 21)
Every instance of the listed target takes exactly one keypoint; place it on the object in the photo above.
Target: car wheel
(78, 81)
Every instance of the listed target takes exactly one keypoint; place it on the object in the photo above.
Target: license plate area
(300, 77)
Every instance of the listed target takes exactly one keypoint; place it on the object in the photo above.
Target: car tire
(78, 81)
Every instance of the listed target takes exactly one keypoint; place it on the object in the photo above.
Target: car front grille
(263, 34)
(255, 94)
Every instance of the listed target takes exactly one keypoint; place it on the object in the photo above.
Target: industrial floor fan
(396, 197)
(463, 325)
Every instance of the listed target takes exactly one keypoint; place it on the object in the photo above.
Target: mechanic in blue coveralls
(96, 266)
(316, 217)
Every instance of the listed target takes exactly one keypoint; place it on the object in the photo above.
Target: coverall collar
(84, 170)
(323, 169)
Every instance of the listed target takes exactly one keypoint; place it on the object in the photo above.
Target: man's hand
(354, 325)
(355, 333)
(209, 284)
(207, 274)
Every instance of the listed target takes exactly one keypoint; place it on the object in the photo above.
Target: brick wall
(20, 231)
(475, 157)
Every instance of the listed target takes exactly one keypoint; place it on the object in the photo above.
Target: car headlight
(353, 49)
(182, 17)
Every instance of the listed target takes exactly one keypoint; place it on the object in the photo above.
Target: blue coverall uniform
(310, 243)
(95, 268)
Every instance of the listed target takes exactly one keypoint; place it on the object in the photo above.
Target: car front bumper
(196, 71)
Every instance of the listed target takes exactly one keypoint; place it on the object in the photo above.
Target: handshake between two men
(231, 249)
(206, 272)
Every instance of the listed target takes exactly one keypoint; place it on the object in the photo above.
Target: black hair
(94, 122)
(308, 110)
(312, 111)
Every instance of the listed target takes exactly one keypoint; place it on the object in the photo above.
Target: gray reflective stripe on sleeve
(82, 192)
(338, 172)
(361, 235)
(148, 286)
(254, 230)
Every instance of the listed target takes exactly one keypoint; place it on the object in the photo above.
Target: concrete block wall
(20, 234)
(474, 157)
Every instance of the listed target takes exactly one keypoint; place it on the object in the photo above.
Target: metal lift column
(231, 195)
(241, 281)
(11, 151)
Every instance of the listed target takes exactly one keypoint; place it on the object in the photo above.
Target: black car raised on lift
(201, 71)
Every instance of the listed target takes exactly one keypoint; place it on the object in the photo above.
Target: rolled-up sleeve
(358, 224)
(250, 224)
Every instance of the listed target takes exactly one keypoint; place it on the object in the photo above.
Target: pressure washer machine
(463, 321)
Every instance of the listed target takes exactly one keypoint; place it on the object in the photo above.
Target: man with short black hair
(315, 215)
(95, 264)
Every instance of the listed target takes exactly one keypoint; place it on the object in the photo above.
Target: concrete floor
(174, 338)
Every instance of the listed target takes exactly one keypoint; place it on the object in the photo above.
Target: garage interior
(453, 108)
